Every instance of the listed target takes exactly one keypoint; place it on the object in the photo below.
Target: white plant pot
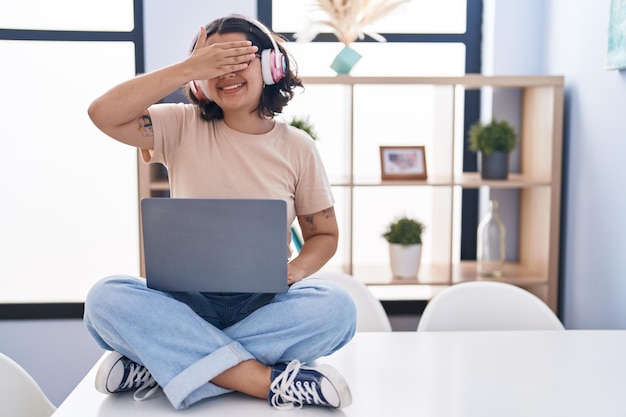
(405, 260)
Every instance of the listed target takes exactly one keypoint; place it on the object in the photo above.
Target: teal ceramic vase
(345, 60)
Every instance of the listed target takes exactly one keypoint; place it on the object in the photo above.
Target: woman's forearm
(127, 101)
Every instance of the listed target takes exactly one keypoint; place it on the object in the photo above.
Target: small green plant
(405, 231)
(304, 124)
(492, 137)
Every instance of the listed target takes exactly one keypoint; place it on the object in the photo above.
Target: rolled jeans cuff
(193, 384)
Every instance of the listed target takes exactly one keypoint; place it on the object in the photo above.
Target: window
(63, 224)
(415, 17)
(68, 15)
(424, 38)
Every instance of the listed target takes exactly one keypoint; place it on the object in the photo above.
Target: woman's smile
(232, 88)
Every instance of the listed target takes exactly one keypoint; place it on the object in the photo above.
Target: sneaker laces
(287, 392)
(139, 377)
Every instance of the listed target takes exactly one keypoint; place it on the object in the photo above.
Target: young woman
(225, 144)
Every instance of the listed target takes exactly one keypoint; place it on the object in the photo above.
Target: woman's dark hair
(274, 97)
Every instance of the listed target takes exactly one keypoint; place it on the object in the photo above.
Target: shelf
(473, 180)
(443, 274)
(467, 81)
(513, 273)
(429, 274)
(465, 180)
(364, 202)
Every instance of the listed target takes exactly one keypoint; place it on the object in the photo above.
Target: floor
(403, 322)
(404, 314)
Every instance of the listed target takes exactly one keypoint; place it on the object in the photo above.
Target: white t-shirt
(210, 160)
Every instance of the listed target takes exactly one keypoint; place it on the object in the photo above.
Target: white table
(503, 374)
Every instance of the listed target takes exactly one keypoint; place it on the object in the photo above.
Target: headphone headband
(267, 32)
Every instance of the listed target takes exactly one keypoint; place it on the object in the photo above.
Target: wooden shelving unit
(538, 182)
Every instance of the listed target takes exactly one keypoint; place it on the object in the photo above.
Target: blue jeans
(186, 339)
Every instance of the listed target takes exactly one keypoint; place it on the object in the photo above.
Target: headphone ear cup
(272, 73)
(200, 89)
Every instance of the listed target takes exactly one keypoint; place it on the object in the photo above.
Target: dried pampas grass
(349, 19)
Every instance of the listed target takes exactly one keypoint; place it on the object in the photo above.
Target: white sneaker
(117, 373)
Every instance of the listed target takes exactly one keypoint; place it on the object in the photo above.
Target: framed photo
(616, 54)
(403, 162)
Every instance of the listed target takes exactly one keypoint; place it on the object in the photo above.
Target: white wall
(594, 287)
(513, 37)
(571, 40)
(569, 37)
(169, 27)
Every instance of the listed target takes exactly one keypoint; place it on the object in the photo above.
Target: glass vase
(491, 243)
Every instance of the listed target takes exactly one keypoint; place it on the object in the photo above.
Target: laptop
(215, 245)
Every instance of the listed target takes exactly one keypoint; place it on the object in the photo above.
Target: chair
(19, 393)
(487, 305)
(371, 316)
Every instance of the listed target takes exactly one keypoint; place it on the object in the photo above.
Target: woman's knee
(110, 292)
(330, 300)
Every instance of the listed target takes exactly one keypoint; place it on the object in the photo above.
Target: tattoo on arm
(145, 125)
(310, 219)
(311, 223)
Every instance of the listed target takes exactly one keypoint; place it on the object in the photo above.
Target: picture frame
(616, 51)
(403, 163)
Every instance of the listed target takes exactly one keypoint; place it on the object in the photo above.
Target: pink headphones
(272, 65)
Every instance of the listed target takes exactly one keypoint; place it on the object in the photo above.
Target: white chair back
(19, 393)
(487, 305)
(371, 316)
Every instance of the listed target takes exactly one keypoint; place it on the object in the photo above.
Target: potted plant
(304, 124)
(405, 246)
(493, 141)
